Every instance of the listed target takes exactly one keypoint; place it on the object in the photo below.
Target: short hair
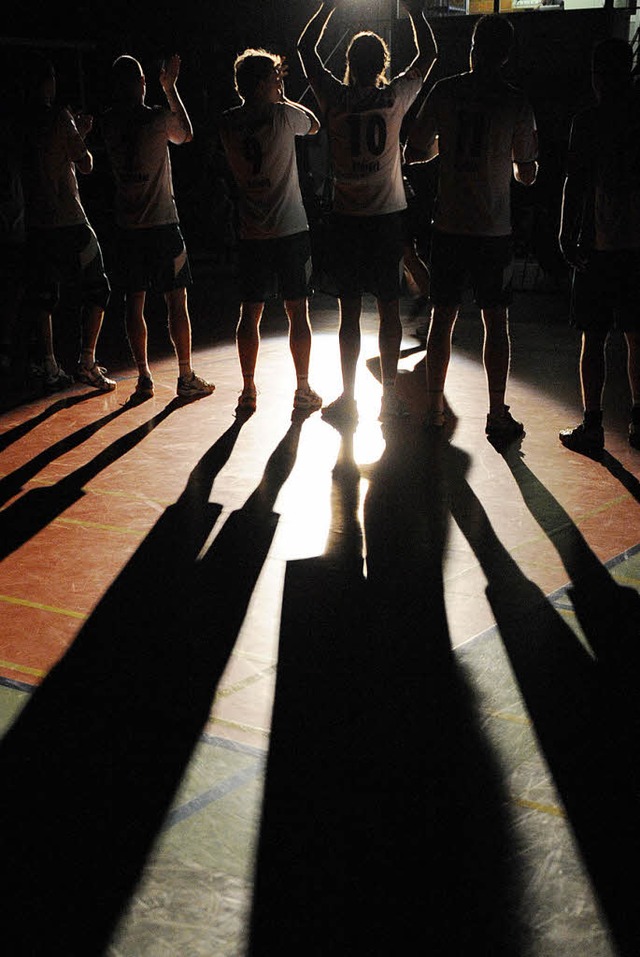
(251, 68)
(125, 75)
(613, 58)
(368, 59)
(493, 38)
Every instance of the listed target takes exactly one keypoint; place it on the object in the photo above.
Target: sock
(248, 385)
(593, 419)
(184, 370)
(303, 383)
(87, 358)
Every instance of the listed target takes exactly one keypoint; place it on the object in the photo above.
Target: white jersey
(53, 146)
(261, 151)
(605, 146)
(137, 141)
(364, 135)
(483, 125)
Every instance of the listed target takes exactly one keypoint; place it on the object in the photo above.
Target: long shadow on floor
(34, 510)
(609, 614)
(384, 818)
(584, 711)
(23, 428)
(93, 762)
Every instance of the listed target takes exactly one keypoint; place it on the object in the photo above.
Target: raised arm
(313, 119)
(182, 131)
(422, 141)
(427, 49)
(309, 40)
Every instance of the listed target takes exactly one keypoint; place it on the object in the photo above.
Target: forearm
(423, 154)
(315, 122)
(312, 35)
(426, 47)
(178, 109)
(571, 213)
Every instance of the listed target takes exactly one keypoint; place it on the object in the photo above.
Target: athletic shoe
(144, 388)
(502, 427)
(192, 387)
(58, 380)
(343, 409)
(95, 375)
(247, 400)
(392, 407)
(306, 400)
(589, 441)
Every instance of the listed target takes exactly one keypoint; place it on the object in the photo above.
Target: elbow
(526, 173)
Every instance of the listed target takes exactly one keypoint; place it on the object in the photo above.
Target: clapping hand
(169, 72)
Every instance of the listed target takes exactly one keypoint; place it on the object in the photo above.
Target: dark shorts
(153, 259)
(67, 256)
(275, 267)
(483, 262)
(607, 292)
(365, 254)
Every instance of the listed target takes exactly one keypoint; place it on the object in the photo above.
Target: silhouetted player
(62, 248)
(259, 138)
(600, 236)
(151, 253)
(364, 114)
(482, 129)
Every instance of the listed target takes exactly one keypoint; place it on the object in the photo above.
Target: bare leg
(633, 365)
(91, 325)
(248, 340)
(496, 355)
(593, 369)
(349, 339)
(137, 331)
(180, 328)
(443, 320)
(389, 339)
(417, 269)
(299, 338)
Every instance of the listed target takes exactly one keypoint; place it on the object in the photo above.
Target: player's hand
(169, 72)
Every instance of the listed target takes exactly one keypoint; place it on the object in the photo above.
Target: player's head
(127, 80)
(367, 60)
(491, 42)
(258, 75)
(611, 66)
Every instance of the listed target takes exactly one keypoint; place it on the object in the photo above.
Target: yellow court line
(507, 716)
(22, 669)
(100, 525)
(552, 809)
(245, 683)
(10, 600)
(236, 725)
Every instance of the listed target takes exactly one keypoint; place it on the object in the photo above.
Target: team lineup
(481, 129)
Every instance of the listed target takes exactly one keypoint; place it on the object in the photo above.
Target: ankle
(592, 419)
